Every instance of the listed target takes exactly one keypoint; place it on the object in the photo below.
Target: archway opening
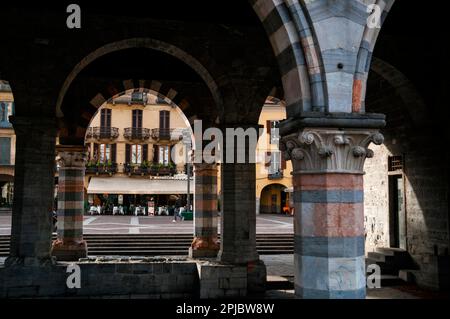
(7, 159)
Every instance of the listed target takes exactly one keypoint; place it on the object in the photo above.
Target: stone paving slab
(107, 224)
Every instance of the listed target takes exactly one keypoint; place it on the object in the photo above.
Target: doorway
(397, 212)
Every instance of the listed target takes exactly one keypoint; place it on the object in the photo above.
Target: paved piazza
(106, 224)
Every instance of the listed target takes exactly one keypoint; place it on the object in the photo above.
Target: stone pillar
(69, 245)
(31, 231)
(205, 242)
(238, 219)
(329, 210)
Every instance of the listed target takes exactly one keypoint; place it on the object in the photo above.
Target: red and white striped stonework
(329, 235)
(69, 245)
(205, 243)
(329, 210)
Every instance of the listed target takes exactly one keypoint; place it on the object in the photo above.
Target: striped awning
(134, 186)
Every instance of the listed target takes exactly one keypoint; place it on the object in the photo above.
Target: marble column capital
(72, 157)
(330, 150)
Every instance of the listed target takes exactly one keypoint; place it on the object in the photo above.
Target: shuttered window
(3, 112)
(105, 118)
(164, 119)
(5, 151)
(137, 119)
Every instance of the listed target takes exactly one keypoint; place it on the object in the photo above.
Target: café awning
(131, 186)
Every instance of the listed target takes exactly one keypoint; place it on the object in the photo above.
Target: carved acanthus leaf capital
(320, 150)
(71, 159)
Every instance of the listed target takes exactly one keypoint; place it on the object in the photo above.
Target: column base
(69, 251)
(13, 261)
(256, 277)
(204, 248)
(238, 258)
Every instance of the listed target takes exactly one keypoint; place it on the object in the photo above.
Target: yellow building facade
(136, 153)
(273, 173)
(7, 146)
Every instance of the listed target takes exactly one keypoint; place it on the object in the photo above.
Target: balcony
(136, 133)
(146, 169)
(101, 168)
(167, 134)
(110, 133)
(275, 175)
(4, 87)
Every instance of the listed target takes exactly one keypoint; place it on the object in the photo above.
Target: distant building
(134, 144)
(273, 175)
(7, 146)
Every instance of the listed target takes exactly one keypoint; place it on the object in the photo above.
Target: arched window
(3, 112)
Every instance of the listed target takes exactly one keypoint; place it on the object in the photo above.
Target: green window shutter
(5, 151)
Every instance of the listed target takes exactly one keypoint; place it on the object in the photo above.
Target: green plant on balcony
(91, 166)
(145, 164)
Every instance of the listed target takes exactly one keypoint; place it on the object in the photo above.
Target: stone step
(380, 257)
(391, 280)
(397, 257)
(278, 283)
(391, 251)
(386, 269)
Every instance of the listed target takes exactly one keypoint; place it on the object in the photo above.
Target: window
(3, 112)
(139, 97)
(163, 155)
(137, 118)
(105, 153)
(395, 163)
(164, 119)
(275, 163)
(5, 151)
(272, 129)
(105, 118)
(136, 154)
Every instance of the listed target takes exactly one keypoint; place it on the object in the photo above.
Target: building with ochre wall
(273, 173)
(7, 146)
(136, 152)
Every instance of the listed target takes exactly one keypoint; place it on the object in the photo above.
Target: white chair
(92, 210)
(139, 210)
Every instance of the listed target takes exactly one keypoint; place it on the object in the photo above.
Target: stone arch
(416, 107)
(264, 202)
(168, 94)
(364, 57)
(139, 43)
(292, 37)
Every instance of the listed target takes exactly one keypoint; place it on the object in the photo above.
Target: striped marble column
(329, 211)
(69, 245)
(205, 243)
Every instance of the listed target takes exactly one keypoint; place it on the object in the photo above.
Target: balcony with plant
(99, 168)
(102, 133)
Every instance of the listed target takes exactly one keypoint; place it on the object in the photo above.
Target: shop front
(129, 196)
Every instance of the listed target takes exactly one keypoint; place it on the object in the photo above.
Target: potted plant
(128, 168)
(164, 170)
(172, 168)
(109, 167)
(99, 167)
(91, 167)
(154, 168)
(144, 168)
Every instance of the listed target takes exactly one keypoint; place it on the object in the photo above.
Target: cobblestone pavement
(106, 224)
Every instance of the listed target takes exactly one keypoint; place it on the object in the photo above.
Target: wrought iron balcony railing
(103, 133)
(167, 134)
(101, 168)
(149, 169)
(276, 175)
(137, 133)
